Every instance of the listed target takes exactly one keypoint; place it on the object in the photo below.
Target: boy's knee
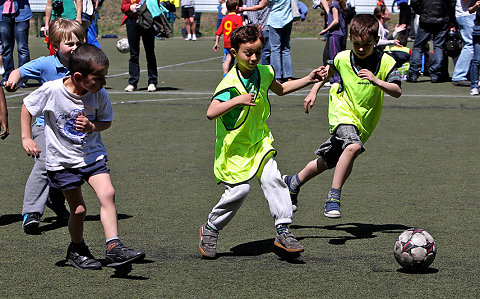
(354, 149)
(80, 210)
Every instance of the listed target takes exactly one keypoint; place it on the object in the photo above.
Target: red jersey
(229, 23)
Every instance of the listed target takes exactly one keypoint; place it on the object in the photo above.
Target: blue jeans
(266, 49)
(280, 57)
(10, 32)
(476, 58)
(438, 32)
(462, 66)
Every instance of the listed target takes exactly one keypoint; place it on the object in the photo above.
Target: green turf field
(420, 169)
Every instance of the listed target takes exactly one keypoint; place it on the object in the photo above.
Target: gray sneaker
(287, 242)
(208, 242)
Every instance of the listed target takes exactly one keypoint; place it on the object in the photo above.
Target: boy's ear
(233, 52)
(77, 76)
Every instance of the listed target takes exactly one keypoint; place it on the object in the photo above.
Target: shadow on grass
(357, 230)
(416, 271)
(260, 247)
(10, 218)
(120, 271)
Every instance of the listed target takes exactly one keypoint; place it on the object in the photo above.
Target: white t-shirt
(65, 146)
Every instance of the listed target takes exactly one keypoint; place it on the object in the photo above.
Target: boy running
(355, 105)
(244, 148)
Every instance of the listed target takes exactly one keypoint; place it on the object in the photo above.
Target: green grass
(419, 170)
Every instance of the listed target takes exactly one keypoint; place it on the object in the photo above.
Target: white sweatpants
(275, 191)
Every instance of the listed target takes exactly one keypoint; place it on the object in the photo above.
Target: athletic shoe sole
(72, 263)
(130, 261)
(286, 249)
(200, 245)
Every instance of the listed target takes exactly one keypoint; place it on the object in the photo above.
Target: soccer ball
(415, 249)
(122, 45)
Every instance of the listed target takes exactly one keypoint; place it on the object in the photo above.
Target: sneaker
(31, 221)
(60, 210)
(194, 37)
(129, 88)
(293, 193)
(332, 208)
(120, 255)
(151, 88)
(189, 37)
(80, 257)
(474, 91)
(461, 83)
(412, 78)
(287, 242)
(208, 242)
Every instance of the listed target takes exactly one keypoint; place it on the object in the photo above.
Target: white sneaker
(151, 87)
(474, 92)
(129, 88)
(2, 70)
(194, 37)
(189, 37)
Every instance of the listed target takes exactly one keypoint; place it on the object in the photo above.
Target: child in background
(335, 31)
(401, 54)
(77, 109)
(244, 148)
(65, 36)
(355, 105)
(229, 23)
(4, 130)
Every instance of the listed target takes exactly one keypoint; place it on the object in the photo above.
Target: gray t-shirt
(65, 146)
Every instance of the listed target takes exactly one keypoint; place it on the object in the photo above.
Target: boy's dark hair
(85, 58)
(246, 34)
(364, 26)
(232, 4)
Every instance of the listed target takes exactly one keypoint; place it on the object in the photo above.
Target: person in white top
(465, 22)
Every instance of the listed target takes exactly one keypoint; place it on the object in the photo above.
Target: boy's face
(95, 81)
(363, 47)
(248, 55)
(67, 46)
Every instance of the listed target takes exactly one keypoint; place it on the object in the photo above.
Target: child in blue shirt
(65, 36)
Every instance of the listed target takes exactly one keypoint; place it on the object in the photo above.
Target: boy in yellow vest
(244, 148)
(355, 105)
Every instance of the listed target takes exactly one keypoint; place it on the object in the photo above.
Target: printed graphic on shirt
(66, 124)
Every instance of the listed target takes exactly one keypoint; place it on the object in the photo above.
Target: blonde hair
(62, 29)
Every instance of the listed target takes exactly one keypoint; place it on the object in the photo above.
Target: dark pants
(10, 32)
(134, 33)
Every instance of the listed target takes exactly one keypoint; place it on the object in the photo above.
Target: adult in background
(188, 14)
(280, 22)
(474, 8)
(465, 22)
(436, 18)
(260, 17)
(14, 26)
(134, 33)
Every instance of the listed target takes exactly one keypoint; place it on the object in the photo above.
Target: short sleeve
(36, 101)
(105, 109)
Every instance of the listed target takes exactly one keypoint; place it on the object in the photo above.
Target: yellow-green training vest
(243, 140)
(356, 101)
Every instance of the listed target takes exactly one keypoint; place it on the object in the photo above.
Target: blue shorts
(71, 178)
(226, 51)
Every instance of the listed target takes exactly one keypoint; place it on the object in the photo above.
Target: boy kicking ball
(244, 148)
(355, 105)
(76, 110)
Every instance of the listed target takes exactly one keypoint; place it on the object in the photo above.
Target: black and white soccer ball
(122, 45)
(415, 249)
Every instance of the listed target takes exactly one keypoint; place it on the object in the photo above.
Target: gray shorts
(343, 136)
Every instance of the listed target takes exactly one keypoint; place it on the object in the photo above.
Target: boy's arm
(261, 5)
(4, 131)
(28, 144)
(83, 124)
(48, 16)
(391, 89)
(326, 72)
(294, 85)
(14, 78)
(218, 108)
(217, 39)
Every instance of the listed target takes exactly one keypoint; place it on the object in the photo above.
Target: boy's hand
(215, 47)
(4, 131)
(309, 101)
(247, 99)
(367, 75)
(84, 125)
(318, 74)
(31, 147)
(10, 86)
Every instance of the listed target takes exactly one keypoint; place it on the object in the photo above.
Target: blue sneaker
(293, 193)
(30, 223)
(332, 208)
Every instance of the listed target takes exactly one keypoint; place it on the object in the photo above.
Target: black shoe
(80, 257)
(412, 79)
(31, 221)
(120, 255)
(60, 210)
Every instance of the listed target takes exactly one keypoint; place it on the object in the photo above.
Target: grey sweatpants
(275, 191)
(37, 190)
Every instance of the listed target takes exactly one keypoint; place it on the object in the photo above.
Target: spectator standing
(260, 17)
(188, 14)
(474, 7)
(222, 11)
(134, 33)
(280, 21)
(465, 22)
(14, 26)
(436, 18)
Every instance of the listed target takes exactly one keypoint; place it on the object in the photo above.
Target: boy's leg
(187, 26)
(105, 192)
(278, 198)
(226, 63)
(78, 210)
(345, 165)
(220, 216)
(194, 33)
